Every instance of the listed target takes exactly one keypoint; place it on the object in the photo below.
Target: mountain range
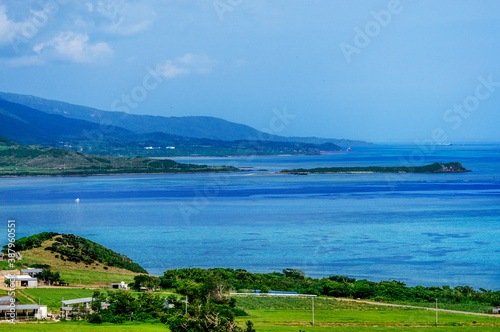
(33, 120)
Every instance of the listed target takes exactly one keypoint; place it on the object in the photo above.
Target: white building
(25, 281)
(24, 311)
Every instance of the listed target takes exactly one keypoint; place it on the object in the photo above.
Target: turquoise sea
(423, 229)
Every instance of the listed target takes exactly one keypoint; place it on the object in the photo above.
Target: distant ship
(444, 144)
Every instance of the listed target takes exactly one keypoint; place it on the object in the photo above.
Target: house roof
(21, 307)
(25, 278)
(28, 278)
(32, 270)
(78, 301)
(5, 299)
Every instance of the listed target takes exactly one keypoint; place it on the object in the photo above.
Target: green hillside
(21, 160)
(72, 248)
(5, 142)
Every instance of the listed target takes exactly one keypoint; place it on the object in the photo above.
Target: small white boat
(77, 200)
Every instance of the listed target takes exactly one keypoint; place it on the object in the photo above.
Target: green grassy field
(92, 277)
(363, 329)
(271, 313)
(469, 307)
(277, 314)
(52, 296)
(84, 327)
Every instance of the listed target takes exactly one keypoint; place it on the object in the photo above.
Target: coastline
(109, 174)
(322, 153)
(238, 156)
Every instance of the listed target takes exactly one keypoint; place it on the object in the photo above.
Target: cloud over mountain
(187, 64)
(75, 47)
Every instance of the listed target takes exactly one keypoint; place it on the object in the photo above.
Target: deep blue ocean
(423, 229)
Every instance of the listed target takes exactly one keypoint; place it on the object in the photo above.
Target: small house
(23, 311)
(496, 310)
(168, 305)
(121, 285)
(25, 281)
(70, 307)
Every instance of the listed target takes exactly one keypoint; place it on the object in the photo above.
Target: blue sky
(375, 70)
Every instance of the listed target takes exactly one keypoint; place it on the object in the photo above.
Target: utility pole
(186, 304)
(436, 311)
(313, 308)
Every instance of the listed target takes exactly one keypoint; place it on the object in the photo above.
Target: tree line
(337, 286)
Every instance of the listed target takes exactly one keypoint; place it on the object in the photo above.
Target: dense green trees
(48, 276)
(29, 242)
(452, 167)
(149, 282)
(209, 309)
(124, 306)
(337, 286)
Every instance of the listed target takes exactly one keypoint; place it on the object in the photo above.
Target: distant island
(452, 167)
(20, 160)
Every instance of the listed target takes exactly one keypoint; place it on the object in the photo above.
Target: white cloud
(195, 60)
(169, 70)
(90, 6)
(75, 47)
(187, 64)
(7, 26)
(125, 17)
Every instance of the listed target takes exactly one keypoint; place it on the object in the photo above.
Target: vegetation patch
(74, 260)
(52, 297)
(77, 249)
(293, 280)
(30, 242)
(452, 167)
(34, 160)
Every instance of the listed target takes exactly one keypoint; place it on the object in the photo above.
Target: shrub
(95, 318)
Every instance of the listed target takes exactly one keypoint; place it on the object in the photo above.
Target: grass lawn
(287, 314)
(469, 307)
(368, 329)
(4, 265)
(87, 277)
(275, 314)
(23, 297)
(52, 296)
(84, 327)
